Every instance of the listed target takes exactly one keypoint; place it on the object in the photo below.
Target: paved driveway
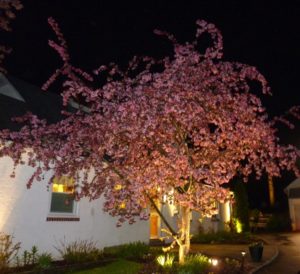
(288, 261)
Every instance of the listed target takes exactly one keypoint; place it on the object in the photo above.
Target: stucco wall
(198, 224)
(23, 213)
(294, 205)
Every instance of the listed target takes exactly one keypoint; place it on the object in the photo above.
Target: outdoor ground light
(243, 260)
(214, 262)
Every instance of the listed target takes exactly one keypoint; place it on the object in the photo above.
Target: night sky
(264, 35)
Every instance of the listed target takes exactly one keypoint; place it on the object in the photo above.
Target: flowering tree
(7, 13)
(189, 129)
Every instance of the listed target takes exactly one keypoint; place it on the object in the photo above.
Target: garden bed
(139, 258)
(59, 267)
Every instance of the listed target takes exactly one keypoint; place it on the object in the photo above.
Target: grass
(117, 267)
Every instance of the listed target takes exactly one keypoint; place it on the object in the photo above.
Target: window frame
(62, 216)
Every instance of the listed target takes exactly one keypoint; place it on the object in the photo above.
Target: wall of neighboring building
(23, 214)
(293, 193)
(294, 207)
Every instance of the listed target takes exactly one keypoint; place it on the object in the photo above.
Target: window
(62, 199)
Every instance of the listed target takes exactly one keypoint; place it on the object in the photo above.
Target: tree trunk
(184, 246)
(271, 190)
(187, 220)
(183, 240)
(181, 253)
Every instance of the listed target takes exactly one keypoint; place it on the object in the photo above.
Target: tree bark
(183, 240)
(184, 245)
(271, 190)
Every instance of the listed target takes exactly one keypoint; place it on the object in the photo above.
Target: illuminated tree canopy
(189, 123)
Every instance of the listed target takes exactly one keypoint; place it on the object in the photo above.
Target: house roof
(18, 97)
(293, 189)
(294, 184)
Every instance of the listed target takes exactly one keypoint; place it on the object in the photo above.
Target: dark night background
(264, 35)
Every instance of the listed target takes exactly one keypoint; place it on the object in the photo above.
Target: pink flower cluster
(188, 129)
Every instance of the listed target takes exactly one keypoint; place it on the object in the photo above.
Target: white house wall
(172, 216)
(224, 215)
(23, 214)
(212, 224)
(294, 205)
(198, 224)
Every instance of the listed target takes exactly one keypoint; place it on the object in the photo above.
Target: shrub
(44, 261)
(231, 266)
(28, 257)
(155, 250)
(279, 222)
(8, 250)
(79, 251)
(254, 214)
(222, 237)
(194, 264)
(165, 260)
(241, 206)
(133, 251)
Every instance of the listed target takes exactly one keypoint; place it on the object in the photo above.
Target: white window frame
(74, 213)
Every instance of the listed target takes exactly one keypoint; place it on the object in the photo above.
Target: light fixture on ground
(243, 260)
(213, 261)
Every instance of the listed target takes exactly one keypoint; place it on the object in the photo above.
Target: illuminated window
(62, 199)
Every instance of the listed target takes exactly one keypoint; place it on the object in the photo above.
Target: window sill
(62, 219)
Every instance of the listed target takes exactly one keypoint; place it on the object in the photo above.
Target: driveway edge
(266, 262)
